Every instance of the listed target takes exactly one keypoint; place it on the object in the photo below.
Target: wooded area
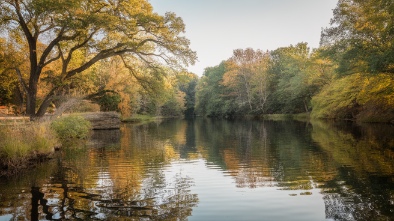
(350, 76)
(114, 52)
(123, 56)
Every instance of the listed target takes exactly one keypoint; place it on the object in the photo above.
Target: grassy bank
(22, 144)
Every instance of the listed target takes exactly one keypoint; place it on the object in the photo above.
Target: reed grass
(21, 143)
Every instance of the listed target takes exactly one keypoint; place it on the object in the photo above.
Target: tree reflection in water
(363, 188)
(129, 174)
(353, 166)
(123, 179)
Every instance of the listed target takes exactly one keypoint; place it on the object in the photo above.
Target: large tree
(248, 78)
(290, 68)
(79, 33)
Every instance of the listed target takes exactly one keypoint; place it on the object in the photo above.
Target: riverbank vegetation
(71, 127)
(72, 56)
(350, 76)
(23, 144)
(20, 144)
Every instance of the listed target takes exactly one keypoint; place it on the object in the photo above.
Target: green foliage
(210, 99)
(175, 106)
(71, 127)
(109, 102)
(254, 82)
(360, 38)
(348, 77)
(247, 80)
(290, 70)
(338, 99)
(187, 84)
(360, 41)
(377, 99)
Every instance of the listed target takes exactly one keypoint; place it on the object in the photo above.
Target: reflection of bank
(105, 138)
(263, 154)
(362, 188)
(189, 148)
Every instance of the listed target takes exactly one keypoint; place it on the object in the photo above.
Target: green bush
(71, 127)
(109, 102)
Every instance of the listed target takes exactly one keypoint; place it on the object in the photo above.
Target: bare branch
(53, 59)
(21, 20)
(48, 49)
(47, 29)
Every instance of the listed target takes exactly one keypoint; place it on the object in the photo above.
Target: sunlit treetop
(99, 28)
(362, 33)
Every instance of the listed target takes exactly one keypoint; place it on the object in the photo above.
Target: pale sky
(217, 27)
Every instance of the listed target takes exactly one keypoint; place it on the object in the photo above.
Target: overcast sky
(217, 27)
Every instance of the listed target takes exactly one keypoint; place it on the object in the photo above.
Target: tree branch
(48, 49)
(139, 79)
(23, 83)
(68, 59)
(21, 20)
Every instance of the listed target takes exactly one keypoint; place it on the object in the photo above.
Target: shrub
(71, 127)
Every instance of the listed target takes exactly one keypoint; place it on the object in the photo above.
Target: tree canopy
(61, 39)
(361, 36)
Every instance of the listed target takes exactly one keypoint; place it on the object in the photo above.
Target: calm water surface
(213, 170)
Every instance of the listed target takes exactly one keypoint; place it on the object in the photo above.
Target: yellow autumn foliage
(368, 98)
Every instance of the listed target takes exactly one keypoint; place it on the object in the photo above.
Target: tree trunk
(31, 99)
(47, 101)
(31, 104)
(44, 106)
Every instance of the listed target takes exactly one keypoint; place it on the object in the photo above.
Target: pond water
(213, 170)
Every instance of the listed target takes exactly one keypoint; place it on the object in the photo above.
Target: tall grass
(21, 143)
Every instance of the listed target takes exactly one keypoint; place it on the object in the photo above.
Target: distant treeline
(350, 76)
